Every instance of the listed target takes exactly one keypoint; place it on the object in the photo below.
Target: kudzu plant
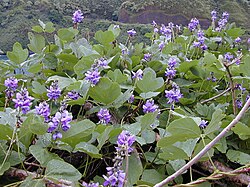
(102, 113)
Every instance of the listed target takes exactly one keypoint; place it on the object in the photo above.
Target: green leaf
(209, 59)
(38, 88)
(18, 54)
(105, 91)
(172, 153)
(6, 132)
(63, 82)
(104, 135)
(148, 120)
(134, 165)
(149, 95)
(215, 123)
(105, 38)
(148, 136)
(37, 42)
(124, 97)
(242, 130)
(67, 34)
(57, 169)
(187, 146)
(49, 27)
(50, 60)
(36, 124)
(35, 68)
(238, 157)
(180, 130)
(235, 32)
(77, 132)
(115, 30)
(199, 146)
(30, 181)
(37, 29)
(42, 155)
(117, 76)
(149, 82)
(185, 66)
(88, 148)
(152, 177)
(4, 167)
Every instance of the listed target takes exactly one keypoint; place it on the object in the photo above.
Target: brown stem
(207, 147)
(216, 96)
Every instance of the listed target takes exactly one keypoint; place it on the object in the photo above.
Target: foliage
(83, 96)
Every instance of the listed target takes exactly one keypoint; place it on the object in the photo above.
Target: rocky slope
(17, 16)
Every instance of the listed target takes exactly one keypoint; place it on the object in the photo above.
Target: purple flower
(248, 40)
(172, 62)
(149, 106)
(203, 124)
(161, 46)
(154, 24)
(147, 56)
(131, 32)
(131, 99)
(23, 100)
(228, 56)
(93, 77)
(225, 15)
(174, 94)
(196, 44)
(204, 47)
(43, 110)
(125, 141)
(57, 135)
(102, 63)
(77, 16)
(54, 91)
(214, 15)
(170, 73)
(116, 179)
(239, 103)
(193, 24)
(137, 75)
(11, 83)
(156, 30)
(104, 116)
(166, 31)
(73, 95)
(237, 40)
(91, 184)
(170, 25)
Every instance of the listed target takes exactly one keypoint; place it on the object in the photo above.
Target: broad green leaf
(180, 130)
(235, 32)
(104, 135)
(172, 153)
(67, 34)
(149, 95)
(35, 68)
(242, 130)
(244, 66)
(37, 42)
(89, 149)
(18, 54)
(117, 76)
(177, 164)
(57, 169)
(215, 123)
(4, 167)
(42, 155)
(204, 110)
(50, 60)
(36, 124)
(78, 131)
(30, 181)
(105, 38)
(105, 91)
(185, 66)
(37, 29)
(84, 65)
(149, 82)
(124, 97)
(199, 146)
(6, 132)
(15, 158)
(49, 27)
(148, 136)
(148, 120)
(187, 146)
(151, 176)
(133, 165)
(38, 88)
(115, 30)
(238, 157)
(209, 59)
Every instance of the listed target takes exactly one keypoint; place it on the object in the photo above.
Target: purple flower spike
(54, 91)
(237, 40)
(43, 110)
(77, 16)
(91, 184)
(193, 24)
(131, 32)
(214, 15)
(173, 95)
(57, 135)
(93, 77)
(131, 99)
(11, 83)
(137, 75)
(147, 56)
(125, 139)
(73, 95)
(104, 116)
(23, 100)
(149, 106)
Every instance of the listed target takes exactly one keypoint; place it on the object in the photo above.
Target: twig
(216, 96)
(206, 148)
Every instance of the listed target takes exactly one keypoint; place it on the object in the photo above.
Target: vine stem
(206, 148)
(216, 96)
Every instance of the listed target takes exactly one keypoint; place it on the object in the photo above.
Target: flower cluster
(203, 124)
(214, 15)
(104, 116)
(43, 109)
(115, 175)
(54, 92)
(137, 75)
(230, 59)
(60, 120)
(200, 43)
(93, 76)
(91, 184)
(77, 16)
(149, 106)
(174, 94)
(11, 84)
(147, 57)
(73, 95)
(170, 70)
(131, 32)
(23, 100)
(193, 24)
(222, 22)
(212, 77)
(166, 31)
